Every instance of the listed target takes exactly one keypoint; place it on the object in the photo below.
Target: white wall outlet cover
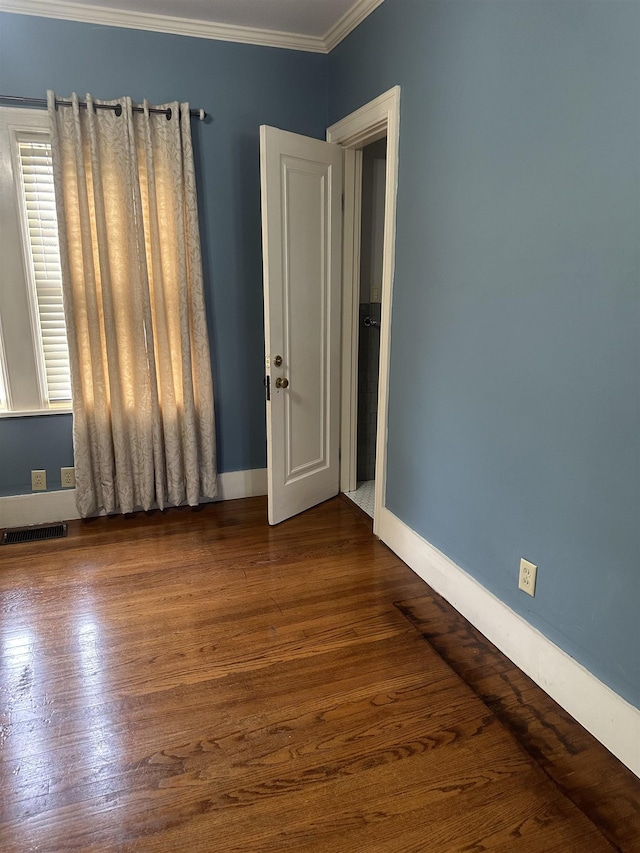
(527, 577)
(68, 478)
(39, 481)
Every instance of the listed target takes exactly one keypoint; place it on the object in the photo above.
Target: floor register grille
(34, 533)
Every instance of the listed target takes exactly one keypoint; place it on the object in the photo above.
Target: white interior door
(301, 236)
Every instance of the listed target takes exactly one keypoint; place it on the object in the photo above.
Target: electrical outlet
(527, 578)
(68, 478)
(39, 481)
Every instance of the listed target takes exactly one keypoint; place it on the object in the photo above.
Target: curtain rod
(41, 103)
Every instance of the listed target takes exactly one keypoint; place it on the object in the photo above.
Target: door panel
(301, 233)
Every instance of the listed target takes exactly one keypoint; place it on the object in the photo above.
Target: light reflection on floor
(34, 726)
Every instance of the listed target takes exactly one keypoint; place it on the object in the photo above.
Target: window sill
(35, 413)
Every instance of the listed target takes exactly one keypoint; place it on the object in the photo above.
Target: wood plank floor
(599, 784)
(198, 681)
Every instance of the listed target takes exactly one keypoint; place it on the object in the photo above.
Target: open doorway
(375, 121)
(374, 158)
(311, 339)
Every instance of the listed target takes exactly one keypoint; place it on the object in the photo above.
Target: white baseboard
(609, 718)
(242, 484)
(42, 507)
(38, 508)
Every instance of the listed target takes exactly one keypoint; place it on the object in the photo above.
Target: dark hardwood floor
(579, 765)
(198, 681)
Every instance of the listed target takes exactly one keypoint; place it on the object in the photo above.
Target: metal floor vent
(35, 533)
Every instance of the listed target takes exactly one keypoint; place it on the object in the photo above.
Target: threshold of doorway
(363, 496)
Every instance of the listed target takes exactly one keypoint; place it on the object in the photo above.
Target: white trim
(86, 13)
(4, 410)
(20, 510)
(609, 718)
(374, 120)
(40, 508)
(34, 413)
(242, 484)
(348, 22)
(350, 318)
(162, 24)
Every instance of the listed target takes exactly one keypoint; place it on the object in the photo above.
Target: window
(34, 360)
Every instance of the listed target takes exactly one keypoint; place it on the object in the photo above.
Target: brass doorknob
(282, 382)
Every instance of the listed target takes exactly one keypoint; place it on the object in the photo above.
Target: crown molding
(90, 14)
(348, 22)
(85, 13)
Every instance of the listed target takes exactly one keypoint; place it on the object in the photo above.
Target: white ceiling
(316, 25)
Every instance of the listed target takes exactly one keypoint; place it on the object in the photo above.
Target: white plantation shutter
(36, 177)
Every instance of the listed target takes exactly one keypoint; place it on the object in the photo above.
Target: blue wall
(33, 443)
(514, 423)
(241, 87)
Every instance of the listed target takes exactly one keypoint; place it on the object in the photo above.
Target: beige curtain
(143, 419)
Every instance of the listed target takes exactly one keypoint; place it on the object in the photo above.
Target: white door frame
(377, 119)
